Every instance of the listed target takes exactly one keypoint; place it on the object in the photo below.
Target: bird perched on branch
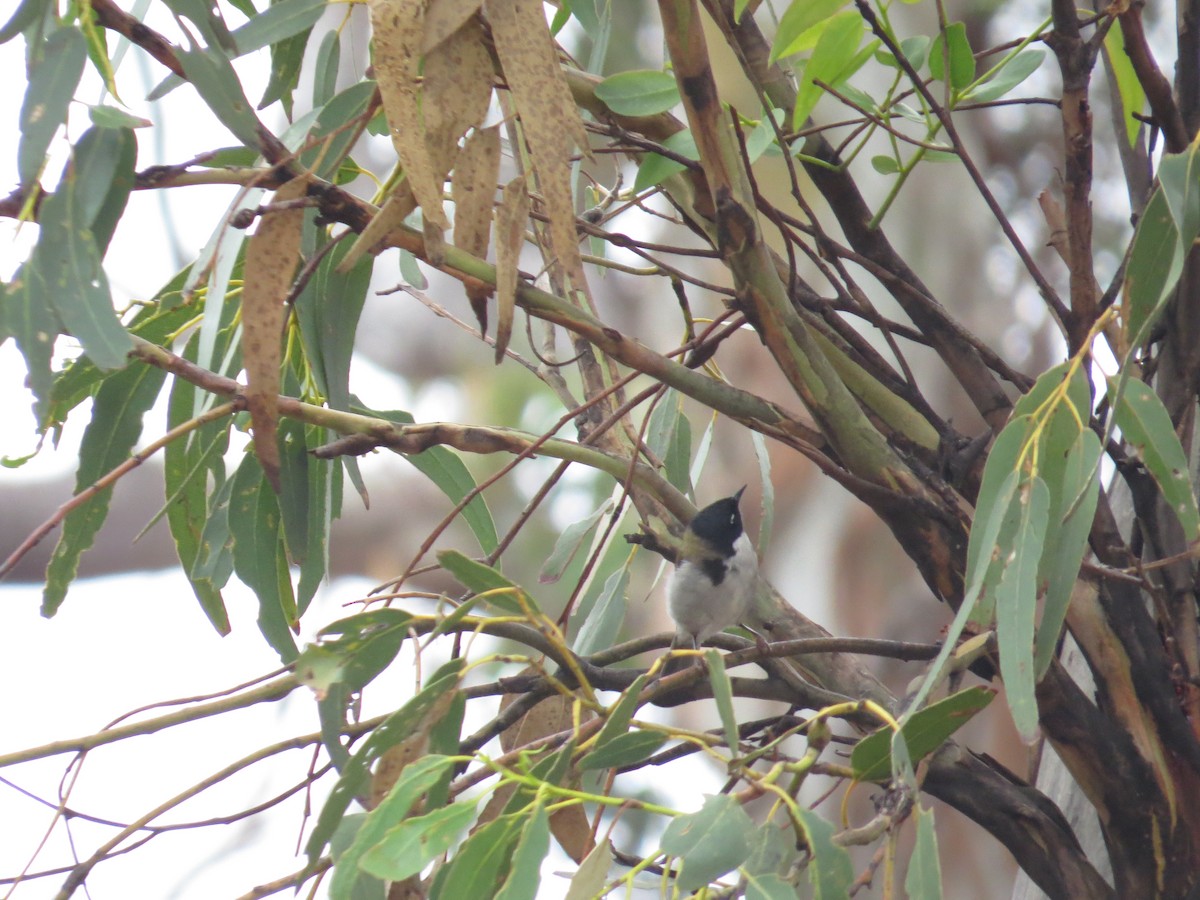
(714, 577)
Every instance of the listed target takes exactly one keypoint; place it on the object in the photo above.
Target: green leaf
(217, 84)
(325, 71)
(277, 23)
(620, 714)
(924, 878)
(915, 49)
(1016, 603)
(26, 14)
(332, 136)
(1146, 426)
(258, 556)
(117, 413)
(642, 92)
(1179, 176)
(362, 645)
(604, 621)
(669, 437)
(1155, 264)
(962, 61)
(589, 880)
(1129, 87)
(996, 492)
(763, 137)
(1008, 77)
(832, 60)
(480, 863)
(324, 486)
(830, 872)
(407, 848)
(568, 544)
(356, 774)
(207, 18)
(767, 522)
(103, 177)
(927, 730)
(57, 66)
(885, 165)
(447, 471)
(723, 696)
(796, 32)
(477, 577)
(415, 780)
(33, 325)
(294, 481)
(624, 750)
(65, 269)
(773, 854)
(709, 843)
(770, 887)
(1067, 539)
(524, 875)
(105, 116)
(656, 169)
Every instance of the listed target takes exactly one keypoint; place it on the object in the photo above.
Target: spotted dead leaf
(511, 216)
(271, 257)
(457, 90)
(474, 191)
(376, 237)
(549, 117)
(444, 17)
(569, 825)
(398, 26)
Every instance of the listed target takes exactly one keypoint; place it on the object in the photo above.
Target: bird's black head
(719, 524)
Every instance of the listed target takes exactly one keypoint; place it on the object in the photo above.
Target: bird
(713, 581)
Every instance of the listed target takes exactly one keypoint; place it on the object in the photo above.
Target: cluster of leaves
(282, 305)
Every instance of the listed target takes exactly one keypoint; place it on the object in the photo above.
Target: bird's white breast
(700, 608)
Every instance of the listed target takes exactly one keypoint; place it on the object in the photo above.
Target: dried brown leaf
(271, 257)
(398, 27)
(474, 191)
(457, 90)
(444, 17)
(511, 216)
(549, 117)
(375, 238)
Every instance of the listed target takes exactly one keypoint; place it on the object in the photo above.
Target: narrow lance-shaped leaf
(709, 843)
(57, 68)
(549, 116)
(511, 216)
(1016, 604)
(117, 414)
(473, 191)
(1146, 425)
(397, 27)
(271, 259)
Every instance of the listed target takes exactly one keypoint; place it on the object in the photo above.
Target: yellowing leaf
(548, 115)
(398, 26)
(271, 257)
(474, 191)
(511, 216)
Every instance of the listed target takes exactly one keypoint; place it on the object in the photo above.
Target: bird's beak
(737, 498)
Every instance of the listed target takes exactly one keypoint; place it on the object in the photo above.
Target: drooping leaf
(924, 878)
(1129, 87)
(511, 216)
(271, 259)
(1146, 425)
(568, 544)
(259, 558)
(1155, 264)
(603, 623)
(524, 874)
(626, 749)
(355, 776)
(409, 846)
(211, 73)
(1016, 603)
(54, 75)
(831, 872)
(447, 471)
(117, 414)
